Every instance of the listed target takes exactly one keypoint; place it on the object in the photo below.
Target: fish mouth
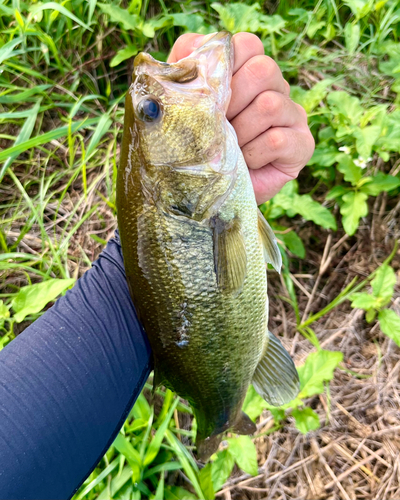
(183, 71)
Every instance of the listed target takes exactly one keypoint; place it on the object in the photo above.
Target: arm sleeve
(68, 382)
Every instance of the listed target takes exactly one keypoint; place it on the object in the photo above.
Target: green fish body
(195, 243)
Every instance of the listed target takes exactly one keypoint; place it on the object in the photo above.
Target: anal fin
(272, 255)
(276, 379)
(207, 447)
(244, 425)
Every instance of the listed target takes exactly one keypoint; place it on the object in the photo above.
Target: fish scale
(194, 245)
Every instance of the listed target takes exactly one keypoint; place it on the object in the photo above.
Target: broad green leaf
(380, 182)
(253, 404)
(123, 54)
(351, 172)
(192, 22)
(313, 27)
(221, 469)
(31, 299)
(366, 138)
(118, 15)
(324, 156)
(336, 192)
(272, 24)
(236, 17)
(389, 322)
(346, 105)
(277, 413)
(293, 243)
(306, 420)
(354, 207)
(312, 210)
(351, 37)
(329, 33)
(58, 8)
(360, 8)
(244, 452)
(206, 481)
(135, 6)
(363, 300)
(384, 281)
(311, 98)
(370, 315)
(304, 205)
(317, 369)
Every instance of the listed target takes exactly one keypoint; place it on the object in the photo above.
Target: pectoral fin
(230, 259)
(272, 255)
(276, 379)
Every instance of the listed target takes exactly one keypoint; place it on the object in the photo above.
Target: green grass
(64, 71)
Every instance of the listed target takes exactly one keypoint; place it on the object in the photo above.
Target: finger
(258, 74)
(269, 109)
(286, 148)
(245, 46)
(267, 182)
(185, 45)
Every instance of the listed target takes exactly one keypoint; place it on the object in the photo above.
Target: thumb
(186, 44)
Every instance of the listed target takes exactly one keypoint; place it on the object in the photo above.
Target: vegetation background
(64, 69)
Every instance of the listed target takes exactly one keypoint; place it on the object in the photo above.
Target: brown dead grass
(356, 452)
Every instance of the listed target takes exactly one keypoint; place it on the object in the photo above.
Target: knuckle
(262, 68)
(269, 103)
(302, 111)
(276, 139)
(310, 145)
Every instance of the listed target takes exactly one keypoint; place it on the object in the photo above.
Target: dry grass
(356, 452)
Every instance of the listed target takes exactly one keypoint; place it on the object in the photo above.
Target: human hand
(272, 130)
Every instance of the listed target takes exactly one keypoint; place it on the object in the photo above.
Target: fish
(195, 245)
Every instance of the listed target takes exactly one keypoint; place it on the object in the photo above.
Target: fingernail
(202, 39)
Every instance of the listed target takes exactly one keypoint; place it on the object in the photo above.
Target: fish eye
(149, 110)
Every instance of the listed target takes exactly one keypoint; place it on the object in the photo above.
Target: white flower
(362, 162)
(345, 149)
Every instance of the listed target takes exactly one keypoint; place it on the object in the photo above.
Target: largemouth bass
(195, 244)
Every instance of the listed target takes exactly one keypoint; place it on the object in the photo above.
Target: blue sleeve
(68, 382)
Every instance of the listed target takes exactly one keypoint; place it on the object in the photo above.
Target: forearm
(67, 384)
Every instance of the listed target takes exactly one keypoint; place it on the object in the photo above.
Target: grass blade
(46, 137)
(23, 136)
